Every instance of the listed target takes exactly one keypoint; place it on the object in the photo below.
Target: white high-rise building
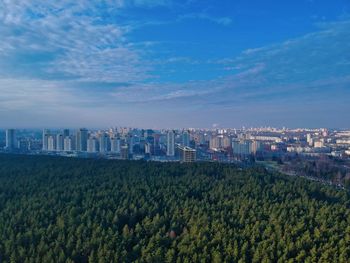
(11, 141)
(51, 143)
(92, 145)
(170, 144)
(68, 144)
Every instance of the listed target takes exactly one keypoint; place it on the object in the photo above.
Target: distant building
(309, 139)
(68, 144)
(124, 152)
(131, 144)
(46, 134)
(187, 154)
(11, 140)
(219, 142)
(226, 142)
(318, 144)
(81, 140)
(186, 138)
(59, 142)
(170, 145)
(104, 141)
(115, 145)
(214, 143)
(51, 143)
(242, 147)
(92, 145)
(255, 146)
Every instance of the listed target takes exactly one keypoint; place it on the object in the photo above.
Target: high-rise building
(187, 154)
(11, 141)
(241, 147)
(92, 145)
(214, 143)
(46, 135)
(131, 144)
(51, 143)
(69, 144)
(186, 138)
(219, 142)
(81, 140)
(226, 142)
(256, 146)
(59, 142)
(115, 145)
(170, 144)
(104, 140)
(124, 152)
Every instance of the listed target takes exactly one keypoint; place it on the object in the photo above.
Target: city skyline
(172, 64)
(189, 145)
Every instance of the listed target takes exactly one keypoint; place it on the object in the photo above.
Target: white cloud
(225, 21)
(81, 42)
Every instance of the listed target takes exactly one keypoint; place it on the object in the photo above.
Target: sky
(174, 63)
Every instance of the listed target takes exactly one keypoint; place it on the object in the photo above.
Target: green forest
(55, 209)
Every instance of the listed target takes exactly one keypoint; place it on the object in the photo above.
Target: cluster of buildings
(122, 143)
(187, 145)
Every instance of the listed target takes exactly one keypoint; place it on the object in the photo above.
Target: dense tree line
(81, 210)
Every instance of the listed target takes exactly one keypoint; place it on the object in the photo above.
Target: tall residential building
(104, 140)
(131, 144)
(309, 139)
(186, 138)
(68, 144)
(124, 152)
(115, 145)
(51, 143)
(46, 135)
(170, 143)
(226, 142)
(241, 147)
(92, 145)
(220, 142)
(81, 140)
(256, 146)
(187, 154)
(11, 141)
(59, 142)
(214, 143)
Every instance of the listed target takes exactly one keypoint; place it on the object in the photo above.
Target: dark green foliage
(79, 210)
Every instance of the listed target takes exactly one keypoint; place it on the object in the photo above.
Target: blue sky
(172, 64)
